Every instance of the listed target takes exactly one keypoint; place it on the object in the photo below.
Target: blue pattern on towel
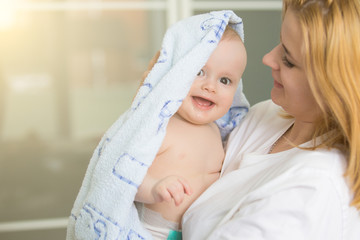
(167, 111)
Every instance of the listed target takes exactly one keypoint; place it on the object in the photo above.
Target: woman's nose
(271, 58)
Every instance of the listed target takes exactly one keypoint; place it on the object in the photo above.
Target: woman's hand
(150, 66)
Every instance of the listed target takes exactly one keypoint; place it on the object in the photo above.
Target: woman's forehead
(291, 35)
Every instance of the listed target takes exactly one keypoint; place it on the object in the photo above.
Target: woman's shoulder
(322, 169)
(325, 163)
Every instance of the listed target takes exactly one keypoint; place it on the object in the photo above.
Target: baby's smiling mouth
(202, 103)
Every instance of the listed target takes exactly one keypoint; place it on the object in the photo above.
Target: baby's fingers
(177, 192)
(162, 194)
(186, 186)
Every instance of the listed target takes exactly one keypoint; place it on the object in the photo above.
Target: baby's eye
(201, 73)
(225, 80)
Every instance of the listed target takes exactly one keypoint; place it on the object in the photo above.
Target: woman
(292, 169)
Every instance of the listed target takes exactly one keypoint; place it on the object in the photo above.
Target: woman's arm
(312, 210)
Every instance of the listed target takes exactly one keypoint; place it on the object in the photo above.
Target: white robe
(295, 194)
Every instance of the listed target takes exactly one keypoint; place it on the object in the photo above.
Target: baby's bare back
(194, 152)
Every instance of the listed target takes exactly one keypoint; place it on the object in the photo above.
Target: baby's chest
(200, 150)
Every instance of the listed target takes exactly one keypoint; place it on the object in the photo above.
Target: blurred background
(68, 69)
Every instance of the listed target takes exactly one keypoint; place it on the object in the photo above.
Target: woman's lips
(202, 103)
(277, 84)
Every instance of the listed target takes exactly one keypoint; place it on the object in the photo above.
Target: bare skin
(200, 167)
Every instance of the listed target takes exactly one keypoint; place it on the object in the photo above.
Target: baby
(191, 155)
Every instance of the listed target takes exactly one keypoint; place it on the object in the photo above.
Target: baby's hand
(171, 187)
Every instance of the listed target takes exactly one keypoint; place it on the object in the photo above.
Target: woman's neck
(297, 134)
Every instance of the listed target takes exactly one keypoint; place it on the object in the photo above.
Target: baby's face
(213, 90)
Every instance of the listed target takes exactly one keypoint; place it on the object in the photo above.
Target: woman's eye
(225, 80)
(201, 73)
(286, 62)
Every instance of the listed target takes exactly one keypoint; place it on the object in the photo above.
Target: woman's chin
(275, 97)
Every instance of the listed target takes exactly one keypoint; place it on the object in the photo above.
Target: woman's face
(291, 89)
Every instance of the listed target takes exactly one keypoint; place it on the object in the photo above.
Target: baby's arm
(171, 187)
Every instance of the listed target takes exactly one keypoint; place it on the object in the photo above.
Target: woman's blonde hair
(331, 48)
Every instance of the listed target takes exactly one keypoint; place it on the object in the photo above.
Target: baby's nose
(209, 85)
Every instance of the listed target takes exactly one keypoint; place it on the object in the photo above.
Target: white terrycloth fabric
(104, 208)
